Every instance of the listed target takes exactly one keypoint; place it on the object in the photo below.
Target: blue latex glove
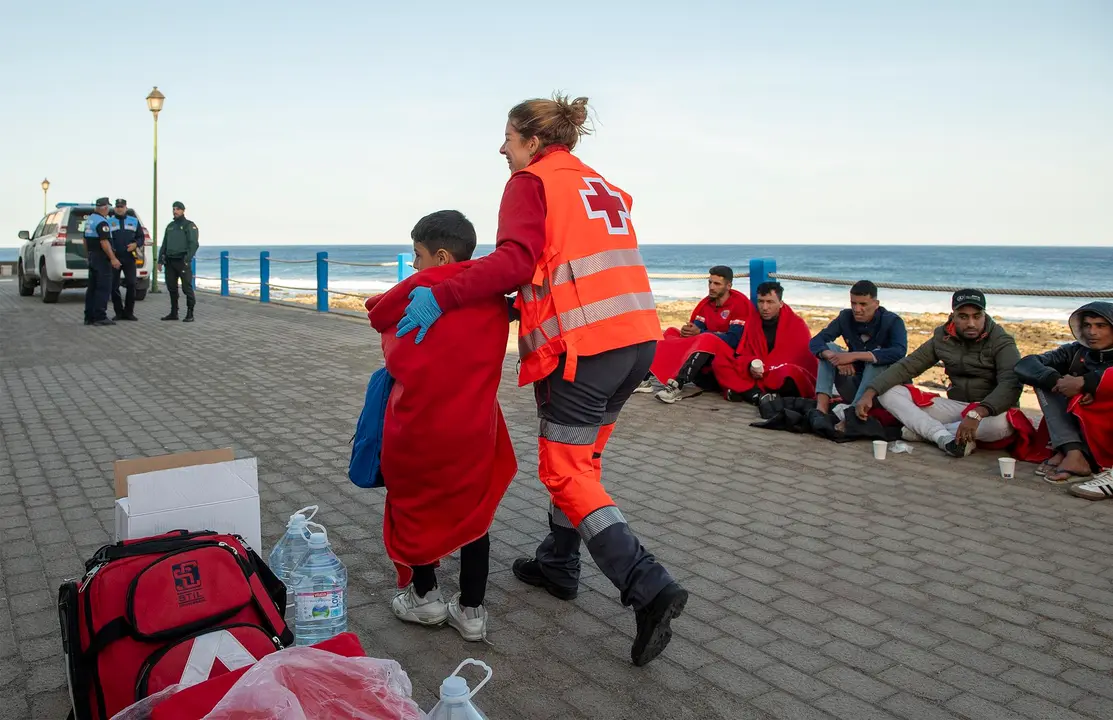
(422, 312)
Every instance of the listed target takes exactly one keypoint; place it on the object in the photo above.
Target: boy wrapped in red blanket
(446, 455)
(773, 356)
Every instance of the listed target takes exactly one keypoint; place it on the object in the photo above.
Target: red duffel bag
(174, 609)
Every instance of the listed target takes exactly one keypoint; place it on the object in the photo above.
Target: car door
(32, 254)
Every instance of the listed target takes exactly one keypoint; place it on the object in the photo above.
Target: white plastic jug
(455, 703)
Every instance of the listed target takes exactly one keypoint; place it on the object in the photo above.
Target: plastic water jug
(320, 583)
(289, 551)
(455, 702)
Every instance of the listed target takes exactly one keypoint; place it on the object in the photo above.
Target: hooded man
(979, 357)
(1074, 384)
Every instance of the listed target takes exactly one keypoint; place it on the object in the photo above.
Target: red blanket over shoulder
(1097, 420)
(789, 358)
(674, 350)
(446, 459)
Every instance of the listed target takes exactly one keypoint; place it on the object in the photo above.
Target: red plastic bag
(303, 683)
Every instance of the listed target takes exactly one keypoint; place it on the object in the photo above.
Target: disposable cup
(880, 448)
(1008, 467)
(758, 365)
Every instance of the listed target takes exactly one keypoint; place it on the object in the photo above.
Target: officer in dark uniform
(102, 260)
(126, 236)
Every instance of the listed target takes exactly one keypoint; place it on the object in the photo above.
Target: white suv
(53, 256)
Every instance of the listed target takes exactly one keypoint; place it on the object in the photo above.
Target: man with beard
(979, 358)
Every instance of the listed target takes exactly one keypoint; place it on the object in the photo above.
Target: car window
(77, 222)
(39, 229)
(51, 224)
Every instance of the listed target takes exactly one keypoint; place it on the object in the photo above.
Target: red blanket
(446, 458)
(674, 350)
(1096, 420)
(789, 358)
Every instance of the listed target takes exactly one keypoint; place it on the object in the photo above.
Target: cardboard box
(221, 496)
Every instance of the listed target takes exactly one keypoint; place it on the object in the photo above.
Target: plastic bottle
(455, 702)
(320, 584)
(289, 551)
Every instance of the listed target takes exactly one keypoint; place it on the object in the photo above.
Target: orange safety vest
(589, 292)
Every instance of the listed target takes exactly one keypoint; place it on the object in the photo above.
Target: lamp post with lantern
(154, 104)
(45, 186)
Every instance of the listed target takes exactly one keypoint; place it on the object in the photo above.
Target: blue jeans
(828, 378)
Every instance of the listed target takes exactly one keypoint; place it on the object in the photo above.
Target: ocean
(1060, 268)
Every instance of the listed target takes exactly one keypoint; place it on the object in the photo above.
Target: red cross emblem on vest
(602, 202)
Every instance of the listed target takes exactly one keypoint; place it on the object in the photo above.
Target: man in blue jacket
(875, 339)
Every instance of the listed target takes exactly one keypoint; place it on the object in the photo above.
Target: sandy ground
(1032, 336)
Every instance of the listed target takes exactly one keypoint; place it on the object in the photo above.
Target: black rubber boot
(655, 623)
(189, 316)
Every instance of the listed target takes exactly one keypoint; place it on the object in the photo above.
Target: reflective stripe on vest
(582, 267)
(581, 316)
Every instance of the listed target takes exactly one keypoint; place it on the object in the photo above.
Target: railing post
(224, 272)
(322, 282)
(265, 276)
(405, 266)
(193, 272)
(759, 273)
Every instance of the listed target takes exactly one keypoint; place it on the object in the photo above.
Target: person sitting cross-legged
(1074, 386)
(979, 357)
(875, 339)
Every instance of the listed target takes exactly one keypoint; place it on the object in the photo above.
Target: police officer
(126, 236)
(102, 260)
(179, 245)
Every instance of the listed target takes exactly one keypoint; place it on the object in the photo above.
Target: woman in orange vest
(587, 335)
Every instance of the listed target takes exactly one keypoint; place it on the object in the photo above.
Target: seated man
(1074, 371)
(875, 339)
(979, 358)
(773, 356)
(715, 328)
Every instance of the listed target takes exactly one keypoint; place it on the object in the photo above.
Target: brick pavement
(824, 584)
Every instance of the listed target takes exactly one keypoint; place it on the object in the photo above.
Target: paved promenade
(823, 583)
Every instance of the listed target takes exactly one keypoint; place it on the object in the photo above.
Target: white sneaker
(1099, 487)
(671, 393)
(428, 610)
(909, 435)
(470, 622)
(646, 386)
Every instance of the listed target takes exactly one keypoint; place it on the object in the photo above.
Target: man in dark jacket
(127, 237)
(1063, 373)
(979, 358)
(875, 339)
(179, 245)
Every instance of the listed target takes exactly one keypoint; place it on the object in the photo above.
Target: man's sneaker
(171, 316)
(671, 393)
(907, 434)
(768, 398)
(103, 323)
(528, 570)
(188, 317)
(428, 610)
(470, 622)
(958, 450)
(654, 623)
(1099, 487)
(645, 386)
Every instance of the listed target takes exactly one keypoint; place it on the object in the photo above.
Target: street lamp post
(46, 186)
(154, 104)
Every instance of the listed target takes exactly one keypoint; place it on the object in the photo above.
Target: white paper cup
(758, 365)
(880, 448)
(1008, 467)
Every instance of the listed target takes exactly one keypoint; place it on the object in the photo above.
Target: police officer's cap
(120, 202)
(178, 205)
(102, 201)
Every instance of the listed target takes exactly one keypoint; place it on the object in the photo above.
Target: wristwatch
(973, 415)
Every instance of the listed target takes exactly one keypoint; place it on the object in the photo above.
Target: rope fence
(760, 270)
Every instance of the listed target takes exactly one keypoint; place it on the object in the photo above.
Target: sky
(343, 122)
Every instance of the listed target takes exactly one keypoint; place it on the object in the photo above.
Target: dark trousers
(98, 288)
(178, 268)
(692, 371)
(582, 412)
(475, 564)
(127, 269)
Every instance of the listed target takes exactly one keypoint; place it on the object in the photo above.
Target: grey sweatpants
(938, 422)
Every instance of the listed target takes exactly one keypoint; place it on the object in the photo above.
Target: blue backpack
(363, 468)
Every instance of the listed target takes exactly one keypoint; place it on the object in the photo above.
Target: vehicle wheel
(49, 295)
(140, 295)
(26, 289)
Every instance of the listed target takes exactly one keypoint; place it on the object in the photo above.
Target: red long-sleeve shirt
(518, 245)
